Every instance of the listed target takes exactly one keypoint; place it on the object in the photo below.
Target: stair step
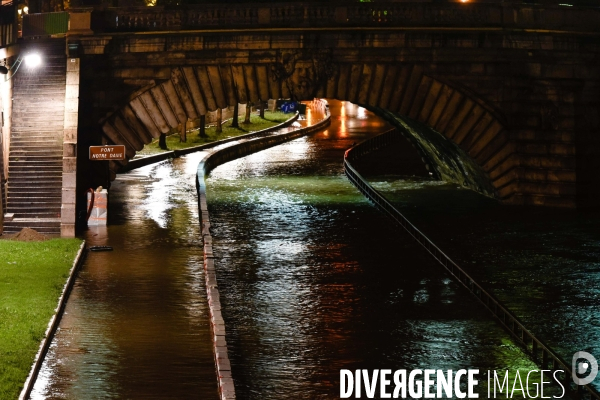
(24, 143)
(44, 226)
(28, 173)
(26, 165)
(37, 165)
(34, 159)
(32, 185)
(50, 221)
(33, 200)
(37, 148)
(40, 195)
(53, 147)
(33, 168)
(36, 211)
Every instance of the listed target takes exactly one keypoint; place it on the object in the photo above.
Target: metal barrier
(45, 24)
(541, 352)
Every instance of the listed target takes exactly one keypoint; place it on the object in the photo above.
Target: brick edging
(223, 365)
(52, 326)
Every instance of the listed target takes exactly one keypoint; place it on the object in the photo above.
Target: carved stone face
(304, 81)
(304, 72)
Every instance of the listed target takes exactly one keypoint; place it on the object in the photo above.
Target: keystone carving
(304, 72)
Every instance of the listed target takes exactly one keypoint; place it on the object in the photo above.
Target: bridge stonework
(522, 102)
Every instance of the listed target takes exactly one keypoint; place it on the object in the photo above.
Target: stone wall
(5, 124)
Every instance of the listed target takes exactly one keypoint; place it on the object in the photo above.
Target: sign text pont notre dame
(115, 152)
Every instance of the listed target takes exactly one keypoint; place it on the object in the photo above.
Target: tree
(162, 141)
(234, 121)
(202, 126)
(182, 132)
(248, 111)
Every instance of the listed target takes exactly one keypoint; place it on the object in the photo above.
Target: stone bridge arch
(399, 89)
(513, 86)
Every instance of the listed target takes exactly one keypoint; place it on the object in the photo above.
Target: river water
(313, 279)
(544, 264)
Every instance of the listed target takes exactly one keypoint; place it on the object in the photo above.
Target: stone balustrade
(299, 15)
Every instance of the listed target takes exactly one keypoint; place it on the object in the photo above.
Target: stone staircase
(35, 160)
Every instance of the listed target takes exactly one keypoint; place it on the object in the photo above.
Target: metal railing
(45, 24)
(540, 351)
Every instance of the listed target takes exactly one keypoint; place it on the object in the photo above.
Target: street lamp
(32, 60)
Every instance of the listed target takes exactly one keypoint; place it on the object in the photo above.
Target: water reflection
(313, 279)
(136, 324)
(543, 263)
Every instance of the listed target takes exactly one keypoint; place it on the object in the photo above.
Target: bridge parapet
(335, 15)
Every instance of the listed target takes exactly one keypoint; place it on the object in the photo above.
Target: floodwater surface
(313, 279)
(136, 324)
(544, 264)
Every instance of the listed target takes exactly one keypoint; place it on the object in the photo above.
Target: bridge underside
(523, 106)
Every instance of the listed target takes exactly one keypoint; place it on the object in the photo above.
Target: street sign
(101, 153)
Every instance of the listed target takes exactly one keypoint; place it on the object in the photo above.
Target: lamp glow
(33, 60)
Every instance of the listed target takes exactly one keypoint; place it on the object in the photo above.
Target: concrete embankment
(240, 148)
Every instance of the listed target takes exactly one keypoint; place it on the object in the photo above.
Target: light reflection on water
(543, 263)
(136, 323)
(313, 279)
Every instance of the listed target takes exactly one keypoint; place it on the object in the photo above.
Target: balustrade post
(264, 16)
(341, 15)
(80, 21)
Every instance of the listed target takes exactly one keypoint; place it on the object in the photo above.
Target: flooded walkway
(136, 324)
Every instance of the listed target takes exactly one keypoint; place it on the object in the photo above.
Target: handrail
(540, 351)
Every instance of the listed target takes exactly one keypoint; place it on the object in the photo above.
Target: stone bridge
(514, 87)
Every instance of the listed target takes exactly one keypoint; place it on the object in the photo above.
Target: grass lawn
(32, 276)
(256, 124)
